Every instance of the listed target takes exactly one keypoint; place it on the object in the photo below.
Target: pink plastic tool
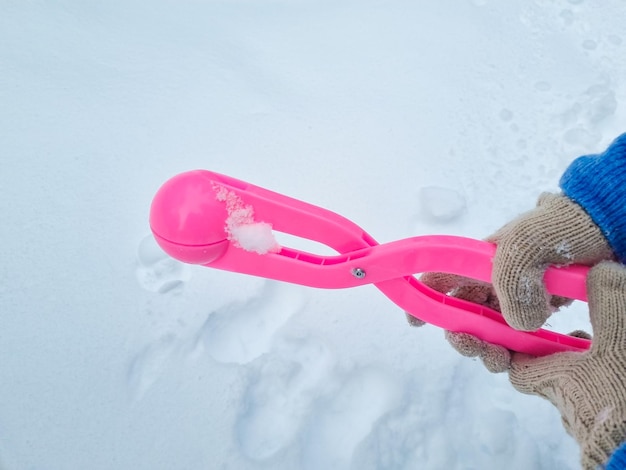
(189, 217)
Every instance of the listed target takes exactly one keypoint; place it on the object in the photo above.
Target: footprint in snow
(158, 272)
(342, 420)
(297, 395)
(147, 366)
(280, 396)
(241, 332)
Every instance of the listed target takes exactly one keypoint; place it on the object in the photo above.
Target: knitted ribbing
(598, 184)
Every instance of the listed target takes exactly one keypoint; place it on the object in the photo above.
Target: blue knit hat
(598, 184)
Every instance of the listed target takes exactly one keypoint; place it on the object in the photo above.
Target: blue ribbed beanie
(598, 184)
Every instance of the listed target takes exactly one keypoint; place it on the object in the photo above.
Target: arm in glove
(585, 224)
(588, 389)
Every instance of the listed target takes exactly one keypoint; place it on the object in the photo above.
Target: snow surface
(441, 204)
(113, 356)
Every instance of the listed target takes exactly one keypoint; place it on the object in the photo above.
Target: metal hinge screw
(358, 273)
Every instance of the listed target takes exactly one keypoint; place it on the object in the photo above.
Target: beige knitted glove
(558, 231)
(588, 389)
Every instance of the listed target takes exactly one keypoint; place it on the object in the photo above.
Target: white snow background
(408, 117)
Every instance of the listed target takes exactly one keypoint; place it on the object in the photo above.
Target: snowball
(241, 227)
(257, 236)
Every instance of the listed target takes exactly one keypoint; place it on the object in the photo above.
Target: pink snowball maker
(194, 216)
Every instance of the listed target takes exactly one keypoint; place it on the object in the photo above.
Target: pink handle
(188, 221)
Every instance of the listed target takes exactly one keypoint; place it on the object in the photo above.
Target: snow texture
(114, 356)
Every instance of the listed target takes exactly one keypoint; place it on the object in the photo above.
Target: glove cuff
(618, 459)
(603, 445)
